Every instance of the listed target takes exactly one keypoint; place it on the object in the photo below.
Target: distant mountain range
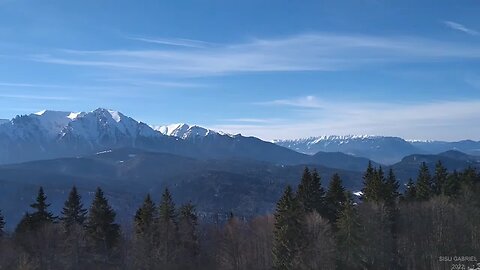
(53, 134)
(219, 172)
(385, 150)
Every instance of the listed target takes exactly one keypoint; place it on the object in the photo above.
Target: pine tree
(39, 218)
(101, 228)
(41, 206)
(410, 194)
(2, 224)
(167, 229)
(424, 183)
(288, 229)
(335, 198)
(452, 185)
(145, 216)
(310, 192)
(368, 178)
(146, 241)
(73, 212)
(374, 184)
(167, 207)
(391, 189)
(349, 238)
(469, 177)
(440, 178)
(188, 222)
(369, 173)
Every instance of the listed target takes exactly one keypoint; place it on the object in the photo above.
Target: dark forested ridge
(313, 226)
(247, 187)
(244, 186)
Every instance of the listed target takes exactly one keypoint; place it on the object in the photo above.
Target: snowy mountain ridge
(326, 138)
(382, 149)
(185, 131)
(51, 134)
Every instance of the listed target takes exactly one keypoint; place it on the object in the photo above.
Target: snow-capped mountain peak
(74, 115)
(172, 129)
(115, 115)
(102, 123)
(382, 149)
(184, 131)
(327, 138)
(52, 121)
(40, 112)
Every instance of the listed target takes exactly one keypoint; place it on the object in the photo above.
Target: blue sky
(272, 69)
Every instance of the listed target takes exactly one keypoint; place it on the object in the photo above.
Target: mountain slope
(452, 160)
(386, 150)
(246, 187)
(340, 160)
(434, 147)
(50, 134)
(185, 131)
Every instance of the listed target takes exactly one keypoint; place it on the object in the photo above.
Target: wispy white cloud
(52, 86)
(36, 97)
(252, 120)
(181, 42)
(302, 102)
(34, 85)
(444, 120)
(154, 83)
(461, 27)
(307, 52)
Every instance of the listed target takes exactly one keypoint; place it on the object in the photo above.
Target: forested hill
(313, 226)
(243, 186)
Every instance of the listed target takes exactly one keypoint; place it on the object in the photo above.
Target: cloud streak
(30, 85)
(461, 28)
(442, 120)
(36, 97)
(302, 102)
(180, 42)
(307, 52)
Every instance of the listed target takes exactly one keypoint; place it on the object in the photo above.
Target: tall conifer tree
(167, 229)
(73, 212)
(391, 188)
(288, 230)
(349, 237)
(452, 185)
(2, 224)
(424, 183)
(42, 216)
(167, 207)
(187, 223)
(310, 192)
(440, 178)
(335, 198)
(374, 189)
(101, 228)
(410, 193)
(145, 216)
